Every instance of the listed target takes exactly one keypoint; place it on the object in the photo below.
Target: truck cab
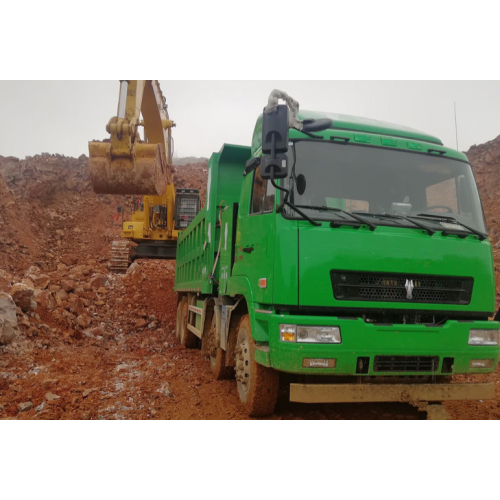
(364, 272)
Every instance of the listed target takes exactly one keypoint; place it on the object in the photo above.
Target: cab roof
(360, 124)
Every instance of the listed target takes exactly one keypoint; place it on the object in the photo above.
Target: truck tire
(211, 347)
(258, 385)
(178, 323)
(187, 338)
(218, 365)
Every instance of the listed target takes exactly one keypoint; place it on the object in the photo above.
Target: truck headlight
(319, 334)
(483, 337)
(310, 334)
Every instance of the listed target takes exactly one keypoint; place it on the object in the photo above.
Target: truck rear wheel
(258, 385)
(218, 365)
(187, 338)
(211, 347)
(178, 323)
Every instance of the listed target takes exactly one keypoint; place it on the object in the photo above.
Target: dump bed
(197, 266)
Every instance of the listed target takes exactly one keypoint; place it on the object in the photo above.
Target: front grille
(406, 364)
(384, 287)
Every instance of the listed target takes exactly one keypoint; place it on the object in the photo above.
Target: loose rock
(25, 406)
(23, 297)
(8, 319)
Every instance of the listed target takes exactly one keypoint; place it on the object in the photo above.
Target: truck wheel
(218, 365)
(258, 386)
(211, 347)
(178, 323)
(187, 338)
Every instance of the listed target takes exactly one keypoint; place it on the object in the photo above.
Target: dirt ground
(125, 369)
(101, 346)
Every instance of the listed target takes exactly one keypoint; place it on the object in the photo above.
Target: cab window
(262, 194)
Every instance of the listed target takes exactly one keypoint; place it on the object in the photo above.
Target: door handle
(249, 249)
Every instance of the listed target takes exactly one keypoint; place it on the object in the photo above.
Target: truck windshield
(378, 182)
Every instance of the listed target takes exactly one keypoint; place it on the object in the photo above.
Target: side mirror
(317, 125)
(278, 165)
(275, 130)
(301, 184)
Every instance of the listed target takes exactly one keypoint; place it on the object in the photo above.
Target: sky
(62, 116)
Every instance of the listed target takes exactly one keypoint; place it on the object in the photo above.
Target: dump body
(199, 243)
(397, 293)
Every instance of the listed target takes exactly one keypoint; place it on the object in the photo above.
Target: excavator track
(120, 256)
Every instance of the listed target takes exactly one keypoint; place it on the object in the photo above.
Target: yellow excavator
(128, 165)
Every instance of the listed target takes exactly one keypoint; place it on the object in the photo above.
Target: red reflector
(263, 282)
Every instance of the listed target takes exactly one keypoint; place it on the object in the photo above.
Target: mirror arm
(291, 205)
(287, 191)
(314, 136)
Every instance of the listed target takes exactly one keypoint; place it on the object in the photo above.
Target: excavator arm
(125, 164)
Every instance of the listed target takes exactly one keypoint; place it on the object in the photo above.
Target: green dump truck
(351, 255)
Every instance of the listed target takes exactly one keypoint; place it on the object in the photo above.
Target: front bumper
(360, 339)
(377, 393)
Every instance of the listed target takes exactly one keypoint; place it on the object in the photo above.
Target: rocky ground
(92, 345)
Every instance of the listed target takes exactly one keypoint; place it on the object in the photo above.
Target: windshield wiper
(445, 218)
(427, 229)
(332, 209)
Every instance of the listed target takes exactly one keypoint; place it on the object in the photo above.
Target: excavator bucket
(142, 172)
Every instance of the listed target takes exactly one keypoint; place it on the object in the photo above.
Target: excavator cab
(187, 206)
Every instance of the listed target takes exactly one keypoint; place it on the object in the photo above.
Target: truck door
(254, 246)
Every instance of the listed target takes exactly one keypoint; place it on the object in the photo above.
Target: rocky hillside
(47, 204)
(189, 160)
(485, 160)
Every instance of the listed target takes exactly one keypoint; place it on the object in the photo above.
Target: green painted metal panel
(286, 268)
(368, 340)
(374, 133)
(226, 254)
(391, 250)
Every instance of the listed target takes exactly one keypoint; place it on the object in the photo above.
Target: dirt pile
(485, 160)
(50, 214)
(77, 341)
(102, 346)
(189, 160)
(49, 211)
(40, 176)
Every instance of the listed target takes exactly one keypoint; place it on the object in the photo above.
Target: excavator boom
(125, 164)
